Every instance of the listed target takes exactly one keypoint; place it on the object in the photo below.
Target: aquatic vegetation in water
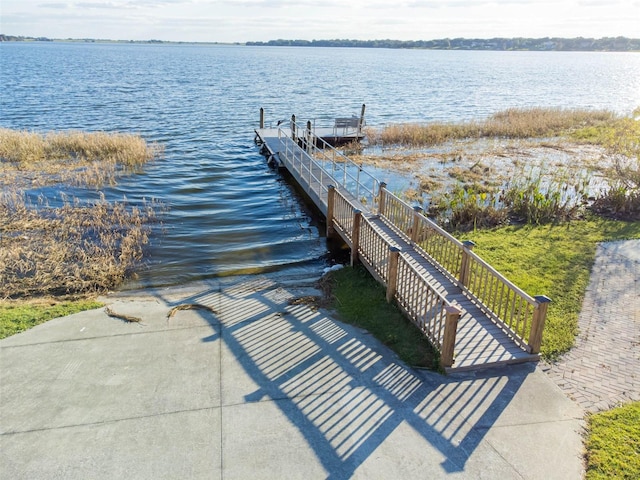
(80, 158)
(79, 247)
(76, 246)
(536, 122)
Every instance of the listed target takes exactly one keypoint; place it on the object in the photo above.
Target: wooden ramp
(351, 200)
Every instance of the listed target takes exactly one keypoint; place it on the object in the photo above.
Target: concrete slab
(260, 441)
(77, 382)
(170, 446)
(262, 388)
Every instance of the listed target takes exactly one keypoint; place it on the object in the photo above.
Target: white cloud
(244, 20)
(56, 6)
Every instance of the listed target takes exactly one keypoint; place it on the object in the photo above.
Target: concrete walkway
(603, 369)
(266, 389)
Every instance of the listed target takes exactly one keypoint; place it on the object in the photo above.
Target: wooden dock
(473, 315)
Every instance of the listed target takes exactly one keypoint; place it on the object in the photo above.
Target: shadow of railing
(343, 391)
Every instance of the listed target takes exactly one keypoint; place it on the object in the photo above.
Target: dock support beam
(331, 199)
(537, 325)
(449, 337)
(261, 118)
(417, 212)
(381, 198)
(392, 281)
(355, 236)
(465, 264)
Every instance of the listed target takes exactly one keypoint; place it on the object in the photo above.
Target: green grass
(613, 444)
(551, 260)
(360, 300)
(19, 316)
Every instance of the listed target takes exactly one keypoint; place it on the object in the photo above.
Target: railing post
(261, 117)
(465, 264)
(381, 197)
(331, 198)
(392, 281)
(537, 325)
(449, 337)
(415, 228)
(355, 236)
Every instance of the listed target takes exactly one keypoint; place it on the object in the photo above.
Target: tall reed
(510, 123)
(621, 199)
(74, 157)
(26, 147)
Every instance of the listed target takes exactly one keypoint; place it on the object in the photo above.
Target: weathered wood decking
(480, 340)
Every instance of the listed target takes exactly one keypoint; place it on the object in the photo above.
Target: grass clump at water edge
(613, 444)
(360, 301)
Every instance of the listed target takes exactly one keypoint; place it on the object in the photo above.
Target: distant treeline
(13, 38)
(607, 44)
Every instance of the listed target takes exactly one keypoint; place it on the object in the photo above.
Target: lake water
(228, 212)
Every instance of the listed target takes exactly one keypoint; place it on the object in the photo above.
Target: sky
(262, 20)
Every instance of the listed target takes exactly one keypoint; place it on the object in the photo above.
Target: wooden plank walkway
(480, 342)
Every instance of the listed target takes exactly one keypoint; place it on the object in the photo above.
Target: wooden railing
(343, 214)
(420, 301)
(429, 311)
(517, 312)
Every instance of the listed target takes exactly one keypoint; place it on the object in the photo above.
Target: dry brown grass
(511, 123)
(397, 161)
(30, 159)
(76, 248)
(79, 247)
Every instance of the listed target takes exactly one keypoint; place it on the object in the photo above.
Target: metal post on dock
(261, 118)
(361, 122)
(293, 128)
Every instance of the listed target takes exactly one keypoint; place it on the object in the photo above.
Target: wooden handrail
(473, 275)
(431, 312)
(519, 314)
